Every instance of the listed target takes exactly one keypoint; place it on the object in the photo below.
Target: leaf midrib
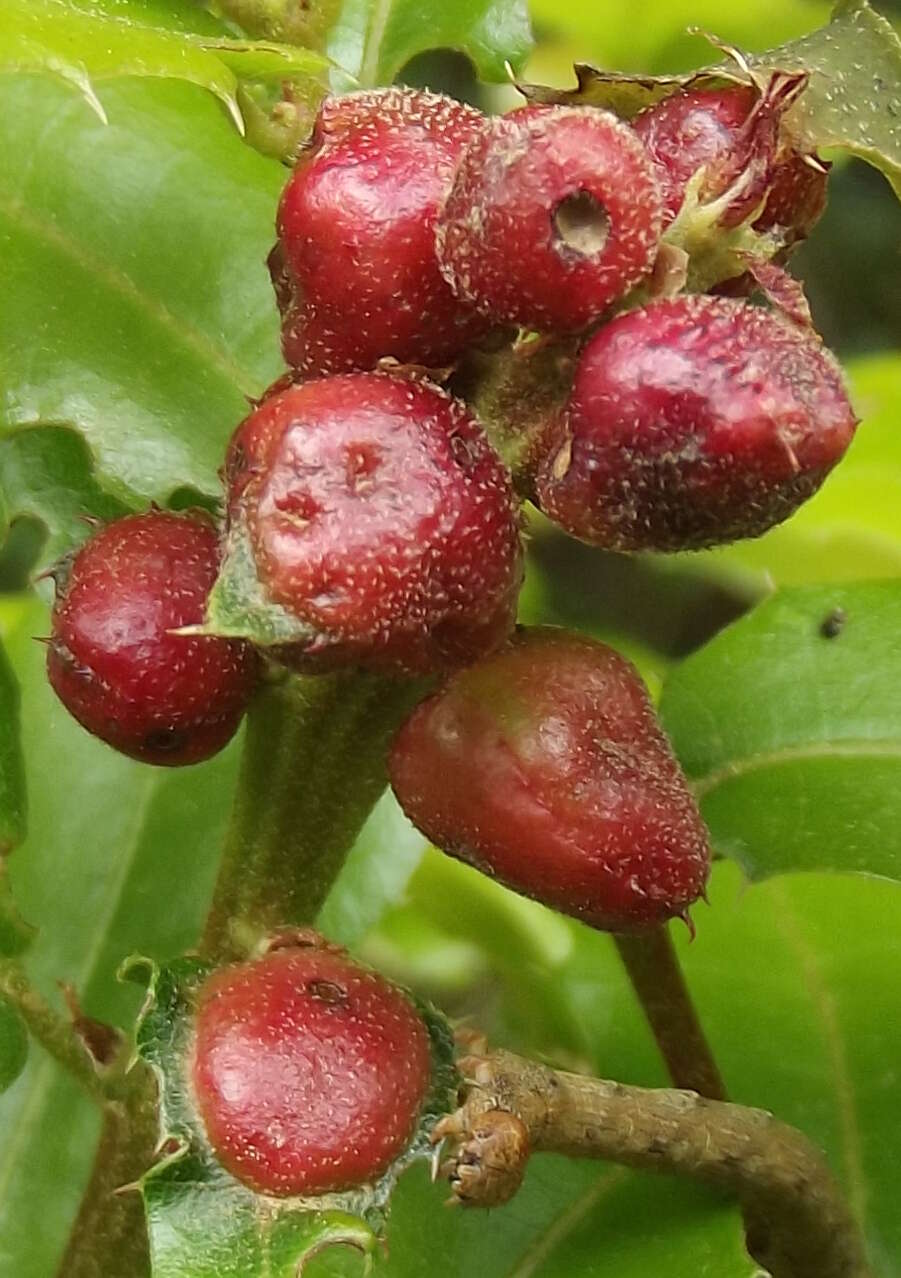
(561, 1226)
(115, 280)
(847, 749)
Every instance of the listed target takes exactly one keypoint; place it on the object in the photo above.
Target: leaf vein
(544, 1245)
(118, 282)
(852, 748)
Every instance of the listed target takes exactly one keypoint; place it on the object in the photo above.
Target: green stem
(53, 1031)
(313, 768)
(109, 1235)
(653, 968)
(518, 394)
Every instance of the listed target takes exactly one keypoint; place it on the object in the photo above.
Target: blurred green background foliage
(797, 977)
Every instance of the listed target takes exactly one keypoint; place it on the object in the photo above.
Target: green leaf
(374, 875)
(203, 1223)
(788, 725)
(86, 42)
(852, 101)
(571, 1219)
(666, 39)
(373, 39)
(13, 1045)
(47, 473)
(12, 769)
(154, 229)
(15, 934)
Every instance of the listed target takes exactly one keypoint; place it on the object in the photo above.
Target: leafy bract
(85, 43)
(851, 101)
(238, 605)
(372, 39)
(788, 725)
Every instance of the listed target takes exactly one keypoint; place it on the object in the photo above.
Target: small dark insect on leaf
(833, 623)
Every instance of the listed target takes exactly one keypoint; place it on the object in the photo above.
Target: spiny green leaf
(853, 99)
(154, 230)
(788, 725)
(372, 39)
(203, 1223)
(86, 43)
(198, 1234)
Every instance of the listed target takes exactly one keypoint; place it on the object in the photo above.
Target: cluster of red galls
(379, 517)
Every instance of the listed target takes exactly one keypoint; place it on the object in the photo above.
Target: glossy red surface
(359, 280)
(113, 661)
(308, 1070)
(380, 516)
(555, 213)
(545, 767)
(692, 422)
(720, 129)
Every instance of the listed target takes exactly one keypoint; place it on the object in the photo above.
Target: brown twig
(798, 1224)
